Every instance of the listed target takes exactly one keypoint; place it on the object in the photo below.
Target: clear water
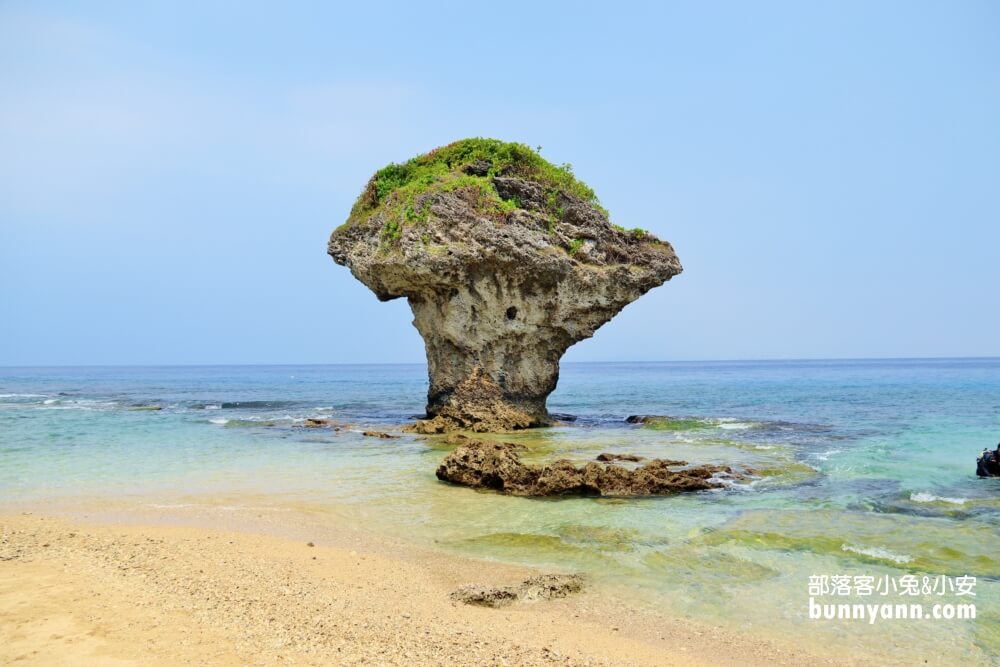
(867, 469)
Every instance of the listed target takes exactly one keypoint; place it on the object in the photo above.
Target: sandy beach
(147, 590)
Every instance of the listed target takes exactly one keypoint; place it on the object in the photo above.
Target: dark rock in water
(650, 419)
(319, 423)
(496, 465)
(486, 465)
(378, 434)
(605, 458)
(663, 423)
(562, 417)
(506, 261)
(146, 408)
(540, 587)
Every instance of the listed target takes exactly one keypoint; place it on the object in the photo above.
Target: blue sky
(829, 172)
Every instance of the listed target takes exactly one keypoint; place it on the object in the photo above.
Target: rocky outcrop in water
(379, 434)
(319, 422)
(506, 261)
(497, 466)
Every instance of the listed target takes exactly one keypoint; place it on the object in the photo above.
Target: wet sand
(157, 589)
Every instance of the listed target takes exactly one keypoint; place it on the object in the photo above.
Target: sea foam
(734, 425)
(877, 552)
(922, 497)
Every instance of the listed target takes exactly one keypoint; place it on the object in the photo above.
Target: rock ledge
(496, 466)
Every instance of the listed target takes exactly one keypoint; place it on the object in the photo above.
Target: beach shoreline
(93, 584)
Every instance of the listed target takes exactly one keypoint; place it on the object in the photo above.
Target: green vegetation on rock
(600, 538)
(468, 166)
(787, 472)
(672, 424)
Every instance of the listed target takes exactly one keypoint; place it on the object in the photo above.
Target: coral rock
(496, 466)
(506, 261)
(539, 587)
(607, 458)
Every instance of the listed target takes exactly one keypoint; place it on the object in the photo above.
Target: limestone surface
(497, 466)
(506, 261)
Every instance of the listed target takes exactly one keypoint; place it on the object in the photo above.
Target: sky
(828, 172)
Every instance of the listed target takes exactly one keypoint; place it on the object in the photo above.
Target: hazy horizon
(563, 362)
(170, 172)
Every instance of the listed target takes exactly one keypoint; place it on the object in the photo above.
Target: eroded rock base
(478, 404)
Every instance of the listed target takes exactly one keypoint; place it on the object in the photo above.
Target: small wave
(23, 395)
(80, 404)
(763, 446)
(922, 497)
(825, 456)
(876, 552)
(735, 426)
(252, 422)
(730, 484)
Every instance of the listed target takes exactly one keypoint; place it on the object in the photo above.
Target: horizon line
(424, 363)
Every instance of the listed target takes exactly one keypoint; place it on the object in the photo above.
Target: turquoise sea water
(865, 468)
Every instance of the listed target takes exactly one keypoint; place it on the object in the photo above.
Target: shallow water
(864, 468)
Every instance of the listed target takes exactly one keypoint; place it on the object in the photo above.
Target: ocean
(865, 468)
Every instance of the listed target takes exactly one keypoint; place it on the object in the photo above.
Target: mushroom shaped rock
(506, 261)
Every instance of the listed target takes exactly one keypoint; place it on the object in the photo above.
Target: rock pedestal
(506, 262)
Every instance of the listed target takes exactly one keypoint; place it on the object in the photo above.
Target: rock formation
(506, 261)
(539, 587)
(319, 422)
(497, 466)
(608, 458)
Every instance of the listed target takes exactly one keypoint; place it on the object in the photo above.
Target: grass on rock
(467, 166)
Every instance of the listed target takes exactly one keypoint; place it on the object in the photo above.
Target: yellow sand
(75, 592)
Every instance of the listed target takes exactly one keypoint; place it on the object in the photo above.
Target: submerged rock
(496, 465)
(540, 587)
(506, 261)
(378, 434)
(912, 543)
(662, 423)
(319, 422)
